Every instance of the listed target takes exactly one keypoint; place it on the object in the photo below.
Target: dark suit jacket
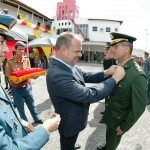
(70, 96)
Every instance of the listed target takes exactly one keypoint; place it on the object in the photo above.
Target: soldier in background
(108, 56)
(107, 63)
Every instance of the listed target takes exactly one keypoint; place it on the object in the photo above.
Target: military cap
(20, 43)
(6, 23)
(118, 38)
(108, 44)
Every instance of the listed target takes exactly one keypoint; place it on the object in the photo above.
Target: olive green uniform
(125, 104)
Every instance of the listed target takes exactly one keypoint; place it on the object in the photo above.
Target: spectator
(21, 91)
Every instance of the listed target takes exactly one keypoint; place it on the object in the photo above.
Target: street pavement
(137, 138)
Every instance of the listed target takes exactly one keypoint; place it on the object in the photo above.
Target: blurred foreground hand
(28, 126)
(52, 122)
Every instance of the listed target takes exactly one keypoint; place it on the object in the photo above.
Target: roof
(24, 7)
(106, 20)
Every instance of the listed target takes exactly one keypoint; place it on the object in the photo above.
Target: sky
(135, 15)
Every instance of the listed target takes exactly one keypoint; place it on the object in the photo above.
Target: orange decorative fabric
(22, 75)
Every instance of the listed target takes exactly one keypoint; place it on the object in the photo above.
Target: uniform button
(118, 117)
(119, 85)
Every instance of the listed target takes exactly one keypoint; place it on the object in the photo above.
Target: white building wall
(100, 35)
(13, 11)
(28, 30)
(100, 24)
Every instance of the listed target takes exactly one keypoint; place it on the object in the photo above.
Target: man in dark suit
(66, 87)
(15, 133)
(127, 101)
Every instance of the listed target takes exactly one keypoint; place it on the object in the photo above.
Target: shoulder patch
(138, 67)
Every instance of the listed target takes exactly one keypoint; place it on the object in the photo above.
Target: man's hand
(119, 131)
(28, 126)
(52, 122)
(110, 70)
(118, 74)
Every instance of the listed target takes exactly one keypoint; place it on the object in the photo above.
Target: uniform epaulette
(138, 68)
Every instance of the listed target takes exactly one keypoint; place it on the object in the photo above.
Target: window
(94, 28)
(58, 32)
(70, 30)
(101, 29)
(83, 28)
(108, 29)
(116, 29)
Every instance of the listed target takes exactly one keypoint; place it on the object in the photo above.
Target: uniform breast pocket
(16, 67)
(122, 86)
(121, 90)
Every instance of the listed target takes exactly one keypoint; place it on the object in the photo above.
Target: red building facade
(67, 9)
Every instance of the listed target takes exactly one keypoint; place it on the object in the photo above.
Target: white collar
(71, 67)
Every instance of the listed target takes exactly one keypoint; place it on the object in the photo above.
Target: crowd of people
(123, 83)
(38, 61)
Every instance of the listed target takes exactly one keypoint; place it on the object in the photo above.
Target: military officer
(13, 131)
(128, 101)
(108, 56)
